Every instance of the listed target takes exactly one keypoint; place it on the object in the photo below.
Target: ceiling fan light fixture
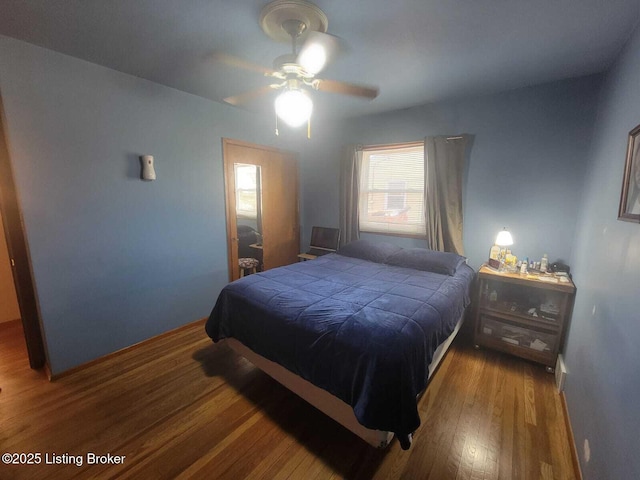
(294, 107)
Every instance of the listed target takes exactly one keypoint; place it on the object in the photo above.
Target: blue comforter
(364, 331)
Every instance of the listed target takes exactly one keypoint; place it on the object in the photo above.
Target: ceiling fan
(294, 74)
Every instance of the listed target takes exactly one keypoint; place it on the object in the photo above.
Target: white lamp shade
(313, 58)
(294, 107)
(317, 50)
(504, 239)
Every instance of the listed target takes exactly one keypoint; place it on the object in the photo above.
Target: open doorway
(11, 332)
(18, 255)
(9, 309)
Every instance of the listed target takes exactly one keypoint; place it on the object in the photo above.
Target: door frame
(19, 254)
(230, 196)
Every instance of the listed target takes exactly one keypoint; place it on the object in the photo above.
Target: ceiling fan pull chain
(309, 128)
(277, 133)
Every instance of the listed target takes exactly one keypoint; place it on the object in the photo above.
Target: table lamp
(503, 240)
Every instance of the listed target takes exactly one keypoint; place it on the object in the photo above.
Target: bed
(356, 333)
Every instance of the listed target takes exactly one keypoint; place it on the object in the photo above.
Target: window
(392, 190)
(396, 195)
(246, 191)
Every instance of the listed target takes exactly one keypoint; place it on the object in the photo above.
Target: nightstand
(524, 315)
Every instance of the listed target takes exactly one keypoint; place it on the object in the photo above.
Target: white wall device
(148, 172)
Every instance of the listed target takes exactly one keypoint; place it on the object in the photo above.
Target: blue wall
(603, 350)
(319, 175)
(117, 260)
(526, 166)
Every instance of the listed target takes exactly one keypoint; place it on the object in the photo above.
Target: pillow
(428, 260)
(372, 251)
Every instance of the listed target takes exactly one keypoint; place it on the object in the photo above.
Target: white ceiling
(415, 51)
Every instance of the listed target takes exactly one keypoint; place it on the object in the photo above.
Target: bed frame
(324, 401)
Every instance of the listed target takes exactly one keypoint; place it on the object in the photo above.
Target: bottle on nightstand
(523, 267)
(544, 263)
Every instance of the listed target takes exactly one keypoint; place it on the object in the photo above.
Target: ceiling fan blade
(317, 50)
(238, 62)
(333, 86)
(246, 97)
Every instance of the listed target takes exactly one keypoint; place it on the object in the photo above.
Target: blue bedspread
(363, 331)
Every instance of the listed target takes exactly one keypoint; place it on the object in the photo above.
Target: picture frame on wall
(629, 210)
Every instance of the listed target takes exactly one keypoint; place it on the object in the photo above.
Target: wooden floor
(181, 407)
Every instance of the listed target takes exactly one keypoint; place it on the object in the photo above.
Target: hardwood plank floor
(182, 407)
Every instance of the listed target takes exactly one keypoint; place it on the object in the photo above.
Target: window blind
(246, 191)
(392, 190)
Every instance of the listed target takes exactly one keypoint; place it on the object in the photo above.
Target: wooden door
(280, 209)
(279, 202)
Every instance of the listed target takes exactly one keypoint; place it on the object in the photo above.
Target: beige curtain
(444, 159)
(349, 191)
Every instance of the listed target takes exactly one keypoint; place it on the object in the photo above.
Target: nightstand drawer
(535, 339)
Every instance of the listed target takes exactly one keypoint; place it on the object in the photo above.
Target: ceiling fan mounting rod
(294, 28)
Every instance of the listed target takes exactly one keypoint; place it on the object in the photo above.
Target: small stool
(248, 264)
